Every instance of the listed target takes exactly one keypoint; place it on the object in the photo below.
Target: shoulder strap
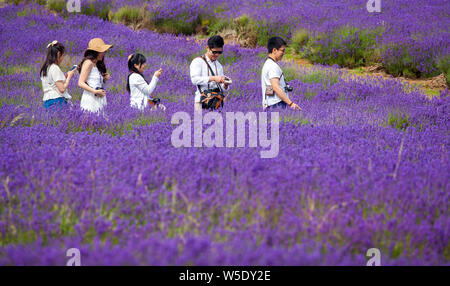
(282, 73)
(212, 72)
(203, 58)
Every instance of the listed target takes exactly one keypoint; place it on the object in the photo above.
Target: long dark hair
(92, 55)
(136, 59)
(52, 57)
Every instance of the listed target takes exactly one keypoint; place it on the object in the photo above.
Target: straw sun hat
(98, 45)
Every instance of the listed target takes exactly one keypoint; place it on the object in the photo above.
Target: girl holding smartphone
(54, 82)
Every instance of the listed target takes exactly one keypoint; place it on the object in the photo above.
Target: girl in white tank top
(90, 101)
(93, 76)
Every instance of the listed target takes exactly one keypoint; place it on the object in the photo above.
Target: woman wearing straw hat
(93, 75)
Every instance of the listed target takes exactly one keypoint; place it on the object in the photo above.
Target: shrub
(346, 46)
(218, 25)
(444, 67)
(185, 17)
(57, 5)
(246, 29)
(16, 2)
(179, 22)
(265, 30)
(249, 32)
(177, 26)
(99, 8)
(128, 15)
(299, 40)
(412, 59)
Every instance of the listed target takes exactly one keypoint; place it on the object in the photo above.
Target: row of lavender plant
(409, 38)
(364, 165)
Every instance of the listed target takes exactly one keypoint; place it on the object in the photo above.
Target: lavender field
(364, 165)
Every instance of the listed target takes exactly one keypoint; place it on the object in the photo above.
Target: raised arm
(144, 87)
(63, 84)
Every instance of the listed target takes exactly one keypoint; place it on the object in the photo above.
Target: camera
(288, 88)
(97, 88)
(156, 100)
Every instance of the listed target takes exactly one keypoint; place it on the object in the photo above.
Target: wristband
(290, 104)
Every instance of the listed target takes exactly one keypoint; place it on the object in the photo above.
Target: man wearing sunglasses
(206, 71)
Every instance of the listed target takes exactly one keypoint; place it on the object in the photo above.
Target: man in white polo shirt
(273, 82)
(201, 75)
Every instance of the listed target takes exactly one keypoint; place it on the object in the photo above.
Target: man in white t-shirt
(273, 82)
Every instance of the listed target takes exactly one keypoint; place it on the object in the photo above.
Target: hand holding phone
(158, 73)
(71, 72)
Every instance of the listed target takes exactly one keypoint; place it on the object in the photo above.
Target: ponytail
(52, 56)
(135, 59)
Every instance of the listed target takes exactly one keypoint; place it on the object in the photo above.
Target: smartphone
(73, 67)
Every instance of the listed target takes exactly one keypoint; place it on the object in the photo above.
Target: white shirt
(140, 90)
(200, 74)
(54, 74)
(271, 70)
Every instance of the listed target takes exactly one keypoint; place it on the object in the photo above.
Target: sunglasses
(217, 52)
